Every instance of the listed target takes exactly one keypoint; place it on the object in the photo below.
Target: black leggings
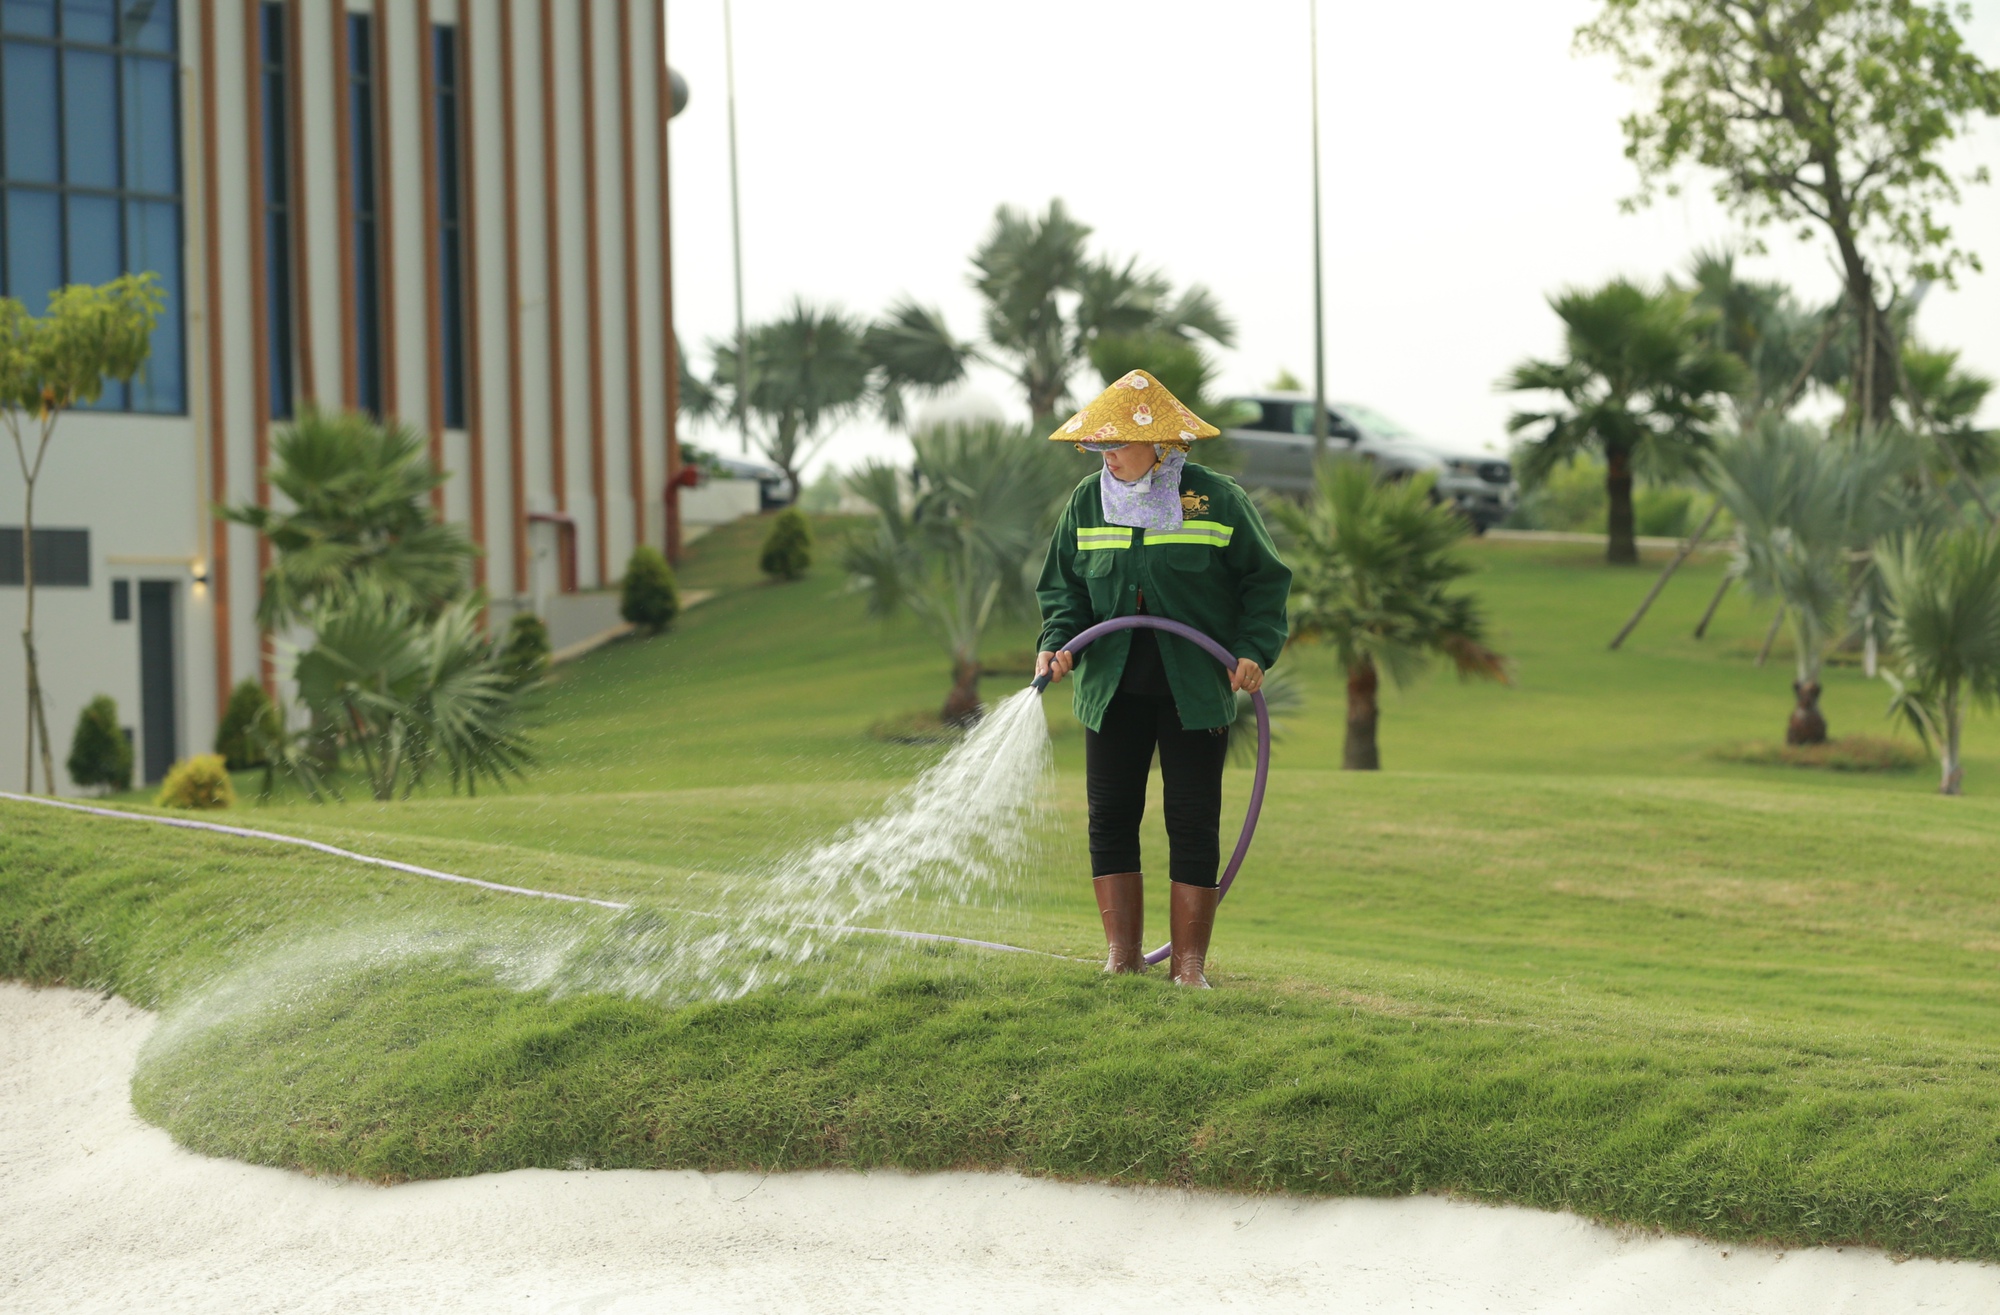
(1118, 760)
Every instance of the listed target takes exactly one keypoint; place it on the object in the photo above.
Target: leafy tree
(787, 549)
(648, 596)
(1827, 115)
(1048, 300)
(1373, 571)
(1637, 385)
(360, 509)
(804, 373)
(48, 365)
(1945, 590)
(1805, 507)
(99, 753)
(412, 694)
(958, 554)
(237, 738)
(524, 655)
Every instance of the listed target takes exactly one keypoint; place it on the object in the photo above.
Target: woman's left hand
(1248, 676)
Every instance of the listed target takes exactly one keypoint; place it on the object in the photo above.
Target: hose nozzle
(1041, 682)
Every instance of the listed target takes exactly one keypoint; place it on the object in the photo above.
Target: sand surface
(101, 1212)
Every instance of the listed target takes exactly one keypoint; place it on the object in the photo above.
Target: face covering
(1150, 502)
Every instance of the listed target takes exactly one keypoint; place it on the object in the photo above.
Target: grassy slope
(1553, 955)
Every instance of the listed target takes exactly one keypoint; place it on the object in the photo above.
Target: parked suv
(1276, 445)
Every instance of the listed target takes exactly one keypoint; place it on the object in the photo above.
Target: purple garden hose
(1228, 661)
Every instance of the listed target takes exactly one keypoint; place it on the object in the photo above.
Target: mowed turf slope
(1527, 962)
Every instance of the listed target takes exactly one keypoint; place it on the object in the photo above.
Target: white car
(1277, 454)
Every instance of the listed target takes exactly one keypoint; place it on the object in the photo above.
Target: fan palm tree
(805, 372)
(1638, 384)
(1373, 574)
(1047, 301)
(1762, 325)
(1807, 509)
(960, 551)
(1945, 591)
(360, 510)
(412, 695)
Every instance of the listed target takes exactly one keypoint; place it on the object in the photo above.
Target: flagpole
(1319, 298)
(736, 236)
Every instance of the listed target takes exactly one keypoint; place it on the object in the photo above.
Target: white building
(451, 212)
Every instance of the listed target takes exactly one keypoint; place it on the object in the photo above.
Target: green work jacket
(1217, 573)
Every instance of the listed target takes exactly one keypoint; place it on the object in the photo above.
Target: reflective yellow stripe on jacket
(1103, 536)
(1213, 534)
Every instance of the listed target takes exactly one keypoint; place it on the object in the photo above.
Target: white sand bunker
(99, 1211)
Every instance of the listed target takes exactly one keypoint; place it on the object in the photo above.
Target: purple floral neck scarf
(1150, 502)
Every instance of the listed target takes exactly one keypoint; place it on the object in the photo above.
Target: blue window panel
(90, 119)
(34, 247)
(96, 255)
(90, 20)
(28, 81)
(153, 244)
(96, 247)
(149, 24)
(34, 17)
(151, 143)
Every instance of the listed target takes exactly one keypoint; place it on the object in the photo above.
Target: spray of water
(960, 836)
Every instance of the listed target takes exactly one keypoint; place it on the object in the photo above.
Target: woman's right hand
(1053, 665)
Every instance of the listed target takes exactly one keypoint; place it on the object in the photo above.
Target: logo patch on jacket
(1194, 504)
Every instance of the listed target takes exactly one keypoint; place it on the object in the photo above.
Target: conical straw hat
(1136, 409)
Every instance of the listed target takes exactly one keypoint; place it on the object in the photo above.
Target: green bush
(237, 738)
(200, 782)
(650, 599)
(524, 654)
(1570, 497)
(788, 547)
(99, 753)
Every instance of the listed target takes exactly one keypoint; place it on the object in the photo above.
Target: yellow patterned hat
(1136, 409)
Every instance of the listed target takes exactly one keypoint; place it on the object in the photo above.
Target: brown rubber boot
(1121, 903)
(1192, 920)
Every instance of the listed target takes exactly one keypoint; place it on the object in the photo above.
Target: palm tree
(1373, 569)
(1047, 301)
(1637, 384)
(412, 694)
(1807, 509)
(1945, 590)
(360, 509)
(959, 552)
(806, 371)
(1762, 325)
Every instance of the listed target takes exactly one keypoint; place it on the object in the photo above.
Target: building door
(159, 728)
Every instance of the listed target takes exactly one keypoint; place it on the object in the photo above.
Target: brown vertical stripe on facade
(552, 276)
(468, 227)
(218, 436)
(635, 455)
(343, 158)
(302, 322)
(260, 287)
(385, 213)
(592, 277)
(663, 106)
(517, 460)
(433, 290)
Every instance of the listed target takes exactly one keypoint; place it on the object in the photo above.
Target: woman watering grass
(1153, 533)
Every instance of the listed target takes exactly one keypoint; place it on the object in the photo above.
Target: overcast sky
(1471, 165)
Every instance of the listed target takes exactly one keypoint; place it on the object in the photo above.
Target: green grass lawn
(1555, 953)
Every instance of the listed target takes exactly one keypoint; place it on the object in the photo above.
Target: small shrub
(524, 654)
(788, 547)
(200, 782)
(649, 599)
(237, 738)
(99, 753)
